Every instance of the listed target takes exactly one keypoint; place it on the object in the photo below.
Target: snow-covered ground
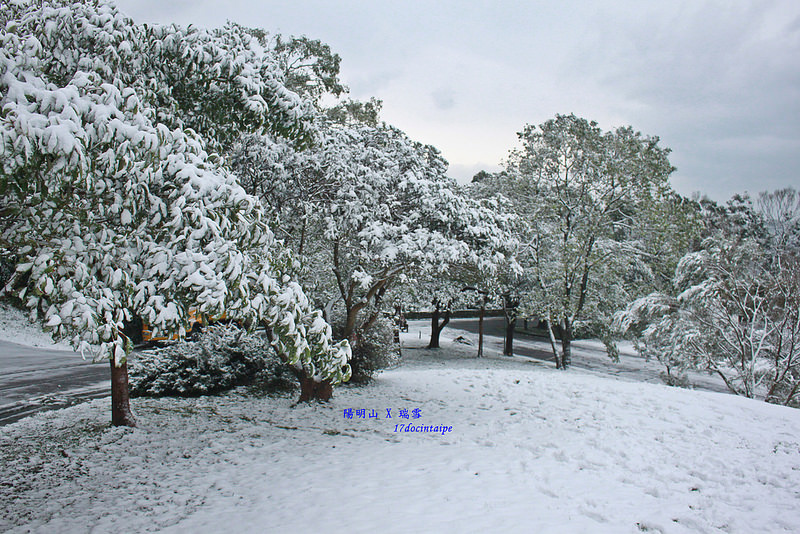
(531, 449)
(588, 355)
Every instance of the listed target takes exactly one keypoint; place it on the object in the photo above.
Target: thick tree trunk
(566, 352)
(121, 414)
(350, 324)
(311, 390)
(437, 327)
(511, 323)
(510, 304)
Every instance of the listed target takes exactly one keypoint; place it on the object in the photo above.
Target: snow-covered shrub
(374, 350)
(222, 357)
(7, 267)
(678, 380)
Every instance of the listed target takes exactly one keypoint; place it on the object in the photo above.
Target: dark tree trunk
(566, 344)
(510, 305)
(436, 326)
(121, 414)
(480, 328)
(566, 353)
(311, 390)
(511, 323)
(350, 324)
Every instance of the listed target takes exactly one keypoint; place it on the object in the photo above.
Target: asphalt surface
(37, 379)
(495, 327)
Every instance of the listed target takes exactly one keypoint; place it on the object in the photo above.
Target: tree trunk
(480, 329)
(511, 323)
(312, 390)
(121, 414)
(437, 327)
(302, 237)
(553, 341)
(350, 324)
(566, 344)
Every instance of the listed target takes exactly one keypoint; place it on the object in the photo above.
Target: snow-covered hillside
(531, 449)
(15, 327)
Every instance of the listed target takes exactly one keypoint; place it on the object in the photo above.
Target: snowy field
(531, 449)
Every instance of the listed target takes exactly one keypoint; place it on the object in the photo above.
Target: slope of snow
(531, 449)
(16, 328)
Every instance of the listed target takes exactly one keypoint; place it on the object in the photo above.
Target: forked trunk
(437, 327)
(121, 414)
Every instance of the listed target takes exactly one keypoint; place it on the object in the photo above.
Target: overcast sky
(718, 82)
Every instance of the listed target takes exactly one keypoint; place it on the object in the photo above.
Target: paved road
(494, 327)
(36, 379)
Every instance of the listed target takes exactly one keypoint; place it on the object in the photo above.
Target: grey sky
(718, 82)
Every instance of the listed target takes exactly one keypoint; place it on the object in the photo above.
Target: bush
(221, 358)
(8, 265)
(678, 380)
(374, 350)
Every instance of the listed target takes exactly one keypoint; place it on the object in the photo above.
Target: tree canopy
(111, 204)
(582, 194)
(365, 207)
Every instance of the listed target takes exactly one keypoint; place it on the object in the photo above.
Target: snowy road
(33, 379)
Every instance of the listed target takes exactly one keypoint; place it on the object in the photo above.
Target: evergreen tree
(583, 195)
(110, 202)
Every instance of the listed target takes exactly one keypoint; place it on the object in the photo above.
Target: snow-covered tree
(440, 293)
(583, 193)
(784, 384)
(734, 307)
(365, 207)
(309, 66)
(780, 213)
(110, 202)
